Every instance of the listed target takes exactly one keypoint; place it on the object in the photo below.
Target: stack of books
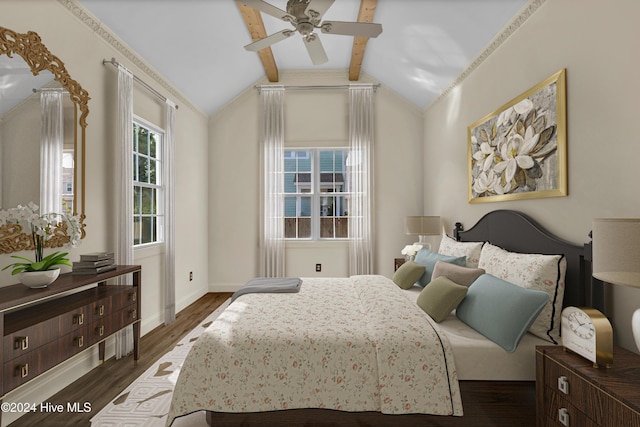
(94, 263)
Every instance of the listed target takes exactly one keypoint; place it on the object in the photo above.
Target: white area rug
(146, 401)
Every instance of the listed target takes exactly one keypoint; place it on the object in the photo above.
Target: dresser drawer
(75, 319)
(596, 404)
(101, 329)
(28, 366)
(74, 342)
(30, 338)
(125, 296)
(125, 317)
(560, 412)
(101, 308)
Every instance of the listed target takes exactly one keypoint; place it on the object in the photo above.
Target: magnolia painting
(519, 150)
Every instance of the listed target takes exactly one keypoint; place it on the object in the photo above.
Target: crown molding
(119, 45)
(511, 28)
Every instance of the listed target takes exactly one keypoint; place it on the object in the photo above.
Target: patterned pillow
(532, 271)
(471, 250)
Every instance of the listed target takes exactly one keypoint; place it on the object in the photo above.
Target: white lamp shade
(422, 225)
(616, 250)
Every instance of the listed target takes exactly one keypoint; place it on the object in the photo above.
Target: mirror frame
(29, 46)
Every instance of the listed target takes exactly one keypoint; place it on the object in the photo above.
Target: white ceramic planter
(38, 279)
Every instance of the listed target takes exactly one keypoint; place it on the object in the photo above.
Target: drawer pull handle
(563, 384)
(101, 310)
(80, 341)
(563, 416)
(134, 314)
(24, 370)
(101, 330)
(78, 319)
(133, 296)
(22, 343)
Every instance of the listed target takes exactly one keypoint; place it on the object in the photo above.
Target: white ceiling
(197, 45)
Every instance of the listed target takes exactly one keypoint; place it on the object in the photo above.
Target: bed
(474, 390)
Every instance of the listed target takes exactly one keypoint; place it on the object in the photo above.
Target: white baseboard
(225, 287)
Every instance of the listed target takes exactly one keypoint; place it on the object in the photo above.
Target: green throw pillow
(440, 297)
(408, 274)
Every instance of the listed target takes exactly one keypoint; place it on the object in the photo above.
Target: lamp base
(635, 327)
(422, 240)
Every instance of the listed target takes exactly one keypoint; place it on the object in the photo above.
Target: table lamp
(422, 226)
(616, 256)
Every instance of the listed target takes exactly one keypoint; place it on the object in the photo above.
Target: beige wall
(595, 41)
(82, 49)
(312, 118)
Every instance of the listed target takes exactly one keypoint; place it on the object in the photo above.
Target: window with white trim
(148, 199)
(316, 197)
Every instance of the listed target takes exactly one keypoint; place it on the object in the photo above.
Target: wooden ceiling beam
(255, 25)
(367, 10)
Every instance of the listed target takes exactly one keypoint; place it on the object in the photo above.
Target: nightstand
(397, 262)
(571, 392)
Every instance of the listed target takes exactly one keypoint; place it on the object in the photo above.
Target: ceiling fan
(306, 16)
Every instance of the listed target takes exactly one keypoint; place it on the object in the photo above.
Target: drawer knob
(563, 416)
(21, 343)
(563, 384)
(78, 319)
(23, 370)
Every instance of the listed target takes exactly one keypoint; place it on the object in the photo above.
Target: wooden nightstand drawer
(570, 389)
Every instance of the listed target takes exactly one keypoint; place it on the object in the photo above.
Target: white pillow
(471, 250)
(532, 271)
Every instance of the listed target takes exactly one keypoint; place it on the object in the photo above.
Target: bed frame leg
(209, 418)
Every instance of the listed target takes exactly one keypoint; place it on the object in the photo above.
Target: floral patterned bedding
(349, 344)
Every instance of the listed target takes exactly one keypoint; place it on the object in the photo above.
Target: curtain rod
(318, 87)
(139, 80)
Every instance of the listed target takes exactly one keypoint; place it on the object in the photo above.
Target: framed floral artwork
(519, 151)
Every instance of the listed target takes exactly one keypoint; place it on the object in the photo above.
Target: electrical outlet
(191, 276)
(318, 267)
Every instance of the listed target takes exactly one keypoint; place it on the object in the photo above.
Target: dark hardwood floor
(108, 380)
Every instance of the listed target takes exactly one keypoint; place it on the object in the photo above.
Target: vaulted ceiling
(197, 45)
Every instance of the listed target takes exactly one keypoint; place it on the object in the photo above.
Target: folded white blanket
(271, 285)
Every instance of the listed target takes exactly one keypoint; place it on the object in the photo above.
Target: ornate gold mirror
(27, 67)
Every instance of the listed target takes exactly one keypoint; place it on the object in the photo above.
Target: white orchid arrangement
(42, 228)
(411, 250)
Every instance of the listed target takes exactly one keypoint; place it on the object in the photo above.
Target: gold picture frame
(519, 151)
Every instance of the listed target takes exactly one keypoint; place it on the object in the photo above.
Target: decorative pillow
(461, 275)
(532, 271)
(429, 259)
(452, 247)
(408, 274)
(501, 311)
(440, 297)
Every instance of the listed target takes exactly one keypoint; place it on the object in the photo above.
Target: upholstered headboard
(516, 232)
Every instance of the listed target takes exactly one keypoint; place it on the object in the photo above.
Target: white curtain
(169, 215)
(124, 189)
(51, 145)
(359, 164)
(272, 141)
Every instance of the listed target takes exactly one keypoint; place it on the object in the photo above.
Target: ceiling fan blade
(269, 40)
(315, 49)
(265, 7)
(317, 8)
(358, 29)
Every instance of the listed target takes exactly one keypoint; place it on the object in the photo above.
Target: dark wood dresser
(571, 392)
(44, 327)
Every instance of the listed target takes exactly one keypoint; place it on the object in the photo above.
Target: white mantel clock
(587, 332)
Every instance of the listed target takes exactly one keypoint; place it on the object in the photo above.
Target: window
(316, 197)
(147, 184)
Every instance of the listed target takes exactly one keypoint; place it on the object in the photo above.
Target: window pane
(327, 205)
(290, 206)
(342, 228)
(326, 161)
(143, 169)
(290, 228)
(143, 143)
(304, 228)
(326, 228)
(137, 202)
(304, 161)
(152, 145)
(290, 183)
(136, 230)
(148, 201)
(153, 176)
(147, 230)
(305, 206)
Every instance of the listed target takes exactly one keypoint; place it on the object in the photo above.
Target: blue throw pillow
(501, 311)
(429, 259)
